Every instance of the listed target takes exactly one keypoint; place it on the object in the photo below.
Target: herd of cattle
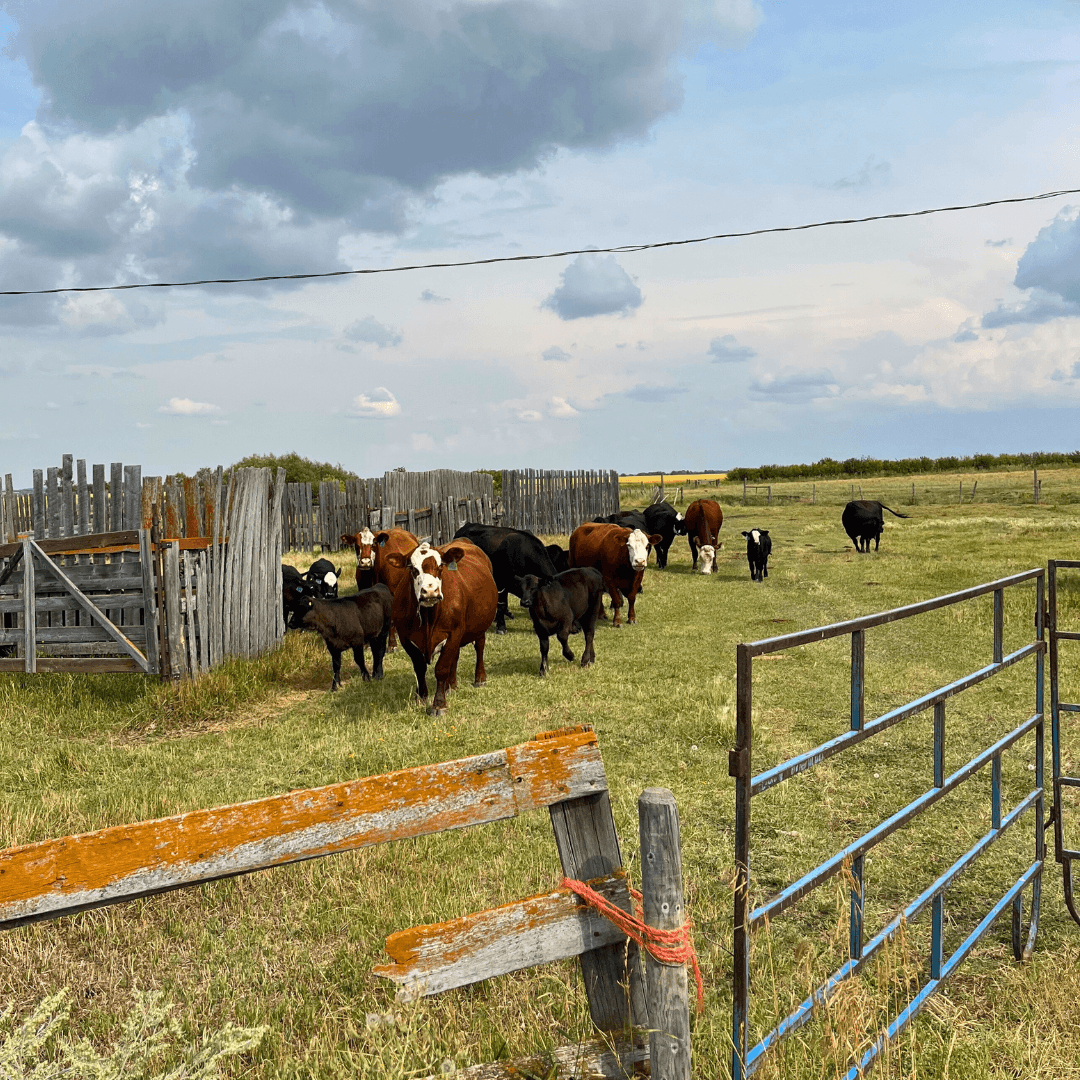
(439, 599)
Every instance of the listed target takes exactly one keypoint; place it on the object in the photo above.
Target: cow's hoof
(479, 682)
(333, 687)
(616, 626)
(543, 673)
(500, 630)
(569, 655)
(378, 676)
(588, 663)
(441, 711)
(366, 677)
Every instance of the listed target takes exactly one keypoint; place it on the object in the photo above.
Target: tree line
(830, 469)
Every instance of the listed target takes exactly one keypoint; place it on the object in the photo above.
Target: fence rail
(851, 859)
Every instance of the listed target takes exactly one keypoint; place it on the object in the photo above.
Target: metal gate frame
(745, 1060)
(1062, 854)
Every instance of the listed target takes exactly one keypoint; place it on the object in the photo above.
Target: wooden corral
(557, 500)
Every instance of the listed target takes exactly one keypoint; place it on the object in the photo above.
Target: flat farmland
(292, 948)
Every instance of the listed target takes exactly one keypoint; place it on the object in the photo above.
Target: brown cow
(446, 598)
(703, 521)
(619, 554)
(371, 565)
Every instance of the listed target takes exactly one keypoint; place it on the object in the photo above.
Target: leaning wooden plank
(94, 612)
(57, 877)
(80, 545)
(76, 665)
(538, 930)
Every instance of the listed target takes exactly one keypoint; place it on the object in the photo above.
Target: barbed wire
(620, 249)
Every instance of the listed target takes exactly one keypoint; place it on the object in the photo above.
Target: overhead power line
(619, 250)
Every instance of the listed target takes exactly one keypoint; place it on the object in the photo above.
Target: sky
(144, 142)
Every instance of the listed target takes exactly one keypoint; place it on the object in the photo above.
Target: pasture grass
(292, 948)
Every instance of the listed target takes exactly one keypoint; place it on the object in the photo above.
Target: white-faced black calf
(568, 604)
(758, 550)
(351, 622)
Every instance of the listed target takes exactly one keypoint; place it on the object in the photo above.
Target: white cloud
(371, 330)
(186, 407)
(726, 350)
(433, 298)
(379, 403)
(561, 409)
(555, 353)
(594, 285)
(530, 416)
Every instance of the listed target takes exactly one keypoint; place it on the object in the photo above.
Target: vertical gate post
(29, 609)
(739, 768)
(858, 683)
(662, 900)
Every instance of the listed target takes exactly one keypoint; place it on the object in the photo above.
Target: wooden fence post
(170, 550)
(1035, 484)
(662, 900)
(29, 609)
(744, 491)
(589, 848)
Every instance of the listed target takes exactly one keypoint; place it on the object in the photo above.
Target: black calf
(758, 550)
(567, 605)
(560, 557)
(292, 596)
(352, 622)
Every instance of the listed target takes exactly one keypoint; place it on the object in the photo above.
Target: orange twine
(666, 946)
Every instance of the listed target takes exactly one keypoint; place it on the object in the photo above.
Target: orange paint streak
(345, 816)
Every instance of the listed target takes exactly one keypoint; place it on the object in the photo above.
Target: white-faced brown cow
(371, 565)
(445, 599)
(703, 520)
(620, 555)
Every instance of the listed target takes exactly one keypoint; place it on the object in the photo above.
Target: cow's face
(706, 559)
(637, 545)
(365, 549)
(426, 567)
(529, 584)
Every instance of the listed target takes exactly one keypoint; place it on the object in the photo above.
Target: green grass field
(292, 948)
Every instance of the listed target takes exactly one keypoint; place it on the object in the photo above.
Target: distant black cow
(567, 605)
(863, 521)
(321, 580)
(560, 557)
(352, 622)
(514, 553)
(665, 521)
(758, 550)
(292, 595)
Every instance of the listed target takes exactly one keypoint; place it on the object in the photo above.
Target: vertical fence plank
(116, 496)
(170, 550)
(29, 610)
(83, 498)
(40, 531)
(662, 900)
(67, 497)
(52, 498)
(146, 567)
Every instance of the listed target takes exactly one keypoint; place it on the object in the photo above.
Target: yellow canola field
(672, 478)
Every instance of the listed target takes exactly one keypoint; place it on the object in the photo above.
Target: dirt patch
(253, 715)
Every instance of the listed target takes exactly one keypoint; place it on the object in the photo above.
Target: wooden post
(744, 491)
(974, 488)
(913, 494)
(961, 499)
(1035, 484)
(171, 581)
(29, 610)
(662, 899)
(769, 495)
(589, 848)
(813, 495)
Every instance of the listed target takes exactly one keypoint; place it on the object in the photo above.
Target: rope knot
(674, 947)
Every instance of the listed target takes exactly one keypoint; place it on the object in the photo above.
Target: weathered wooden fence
(168, 577)
(561, 771)
(426, 504)
(557, 501)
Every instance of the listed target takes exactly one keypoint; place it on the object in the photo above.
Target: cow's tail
(891, 511)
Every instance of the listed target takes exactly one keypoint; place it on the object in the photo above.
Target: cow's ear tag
(451, 566)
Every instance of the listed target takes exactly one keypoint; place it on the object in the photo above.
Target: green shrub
(298, 470)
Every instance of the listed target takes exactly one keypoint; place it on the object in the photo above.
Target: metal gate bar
(746, 1059)
(1063, 854)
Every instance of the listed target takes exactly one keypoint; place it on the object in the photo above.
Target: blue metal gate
(747, 785)
(1063, 854)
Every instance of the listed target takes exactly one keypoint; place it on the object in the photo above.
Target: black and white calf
(352, 622)
(321, 580)
(292, 595)
(567, 605)
(758, 550)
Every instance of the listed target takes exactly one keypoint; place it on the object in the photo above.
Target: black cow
(352, 622)
(758, 550)
(628, 519)
(321, 580)
(666, 522)
(863, 521)
(567, 605)
(292, 595)
(560, 557)
(514, 553)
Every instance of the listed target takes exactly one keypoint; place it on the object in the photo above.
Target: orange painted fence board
(538, 930)
(57, 877)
